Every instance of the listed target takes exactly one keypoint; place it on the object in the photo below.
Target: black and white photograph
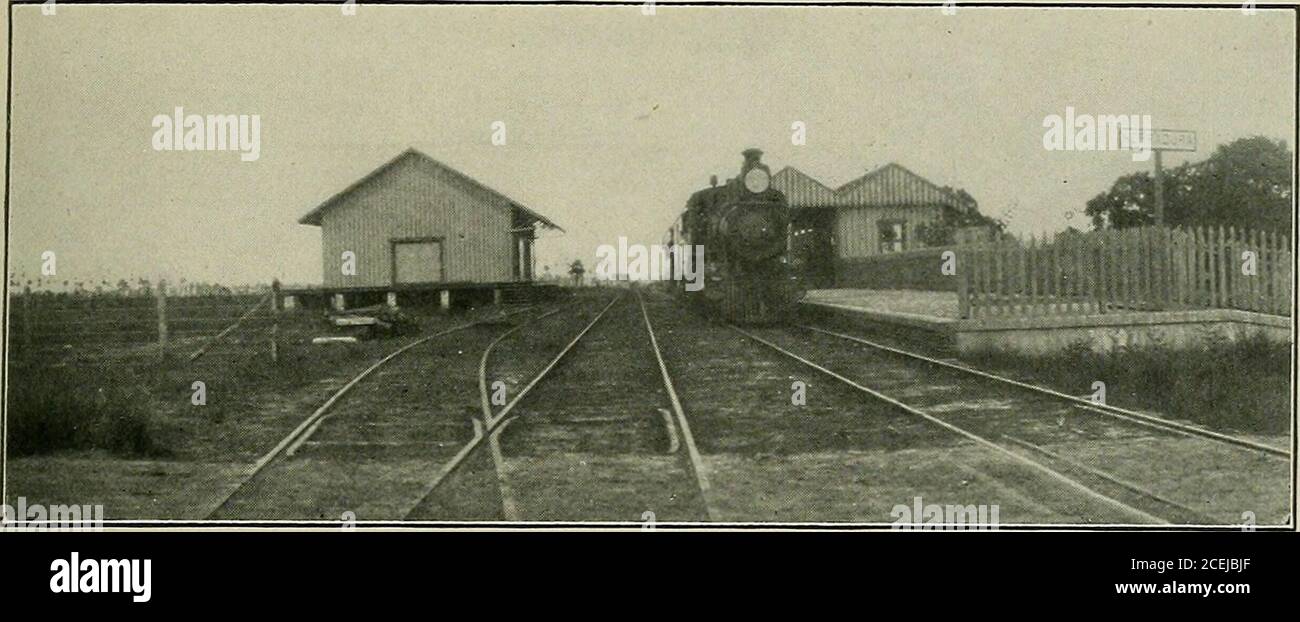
(649, 266)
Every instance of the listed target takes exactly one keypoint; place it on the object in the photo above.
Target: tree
(576, 271)
(1244, 183)
(965, 212)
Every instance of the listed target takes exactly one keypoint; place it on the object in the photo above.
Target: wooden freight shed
(832, 230)
(414, 230)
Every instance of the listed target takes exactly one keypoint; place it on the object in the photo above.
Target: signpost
(1162, 141)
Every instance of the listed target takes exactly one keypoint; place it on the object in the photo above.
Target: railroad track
(326, 465)
(601, 438)
(1018, 421)
(1107, 410)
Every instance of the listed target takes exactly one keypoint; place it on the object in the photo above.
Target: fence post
(963, 288)
(161, 298)
(1266, 271)
(1250, 242)
(1283, 272)
(1224, 286)
(27, 316)
(276, 304)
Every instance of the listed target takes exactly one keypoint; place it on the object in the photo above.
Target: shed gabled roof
(314, 217)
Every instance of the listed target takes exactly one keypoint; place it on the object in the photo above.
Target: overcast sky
(612, 117)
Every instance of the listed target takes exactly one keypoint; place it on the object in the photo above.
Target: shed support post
(496, 296)
(444, 299)
(339, 303)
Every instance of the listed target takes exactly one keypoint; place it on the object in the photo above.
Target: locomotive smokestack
(713, 181)
(752, 156)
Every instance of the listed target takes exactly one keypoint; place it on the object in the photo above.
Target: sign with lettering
(1173, 140)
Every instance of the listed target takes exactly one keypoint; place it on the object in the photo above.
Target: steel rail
(1037, 466)
(1084, 404)
(508, 507)
(308, 426)
(1123, 483)
(501, 420)
(697, 461)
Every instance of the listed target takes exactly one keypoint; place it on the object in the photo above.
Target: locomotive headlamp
(757, 180)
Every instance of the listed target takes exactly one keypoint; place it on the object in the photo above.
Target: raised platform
(933, 316)
(444, 295)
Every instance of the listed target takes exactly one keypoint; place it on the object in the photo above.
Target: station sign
(1173, 140)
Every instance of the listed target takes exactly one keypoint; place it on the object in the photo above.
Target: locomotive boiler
(739, 232)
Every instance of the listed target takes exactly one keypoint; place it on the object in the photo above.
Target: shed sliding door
(417, 261)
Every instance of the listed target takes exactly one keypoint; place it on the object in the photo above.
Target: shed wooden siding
(416, 199)
(857, 232)
(891, 192)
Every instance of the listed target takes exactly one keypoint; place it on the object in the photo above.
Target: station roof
(314, 216)
(801, 190)
(890, 185)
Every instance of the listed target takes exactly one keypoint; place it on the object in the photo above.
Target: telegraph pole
(1162, 141)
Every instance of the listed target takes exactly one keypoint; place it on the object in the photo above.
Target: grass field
(125, 431)
(1242, 386)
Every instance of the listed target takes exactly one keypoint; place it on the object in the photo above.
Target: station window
(893, 235)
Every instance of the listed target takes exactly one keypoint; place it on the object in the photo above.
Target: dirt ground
(840, 459)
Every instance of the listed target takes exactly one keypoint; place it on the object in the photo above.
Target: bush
(63, 407)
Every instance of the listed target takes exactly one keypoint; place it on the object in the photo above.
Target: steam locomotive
(739, 233)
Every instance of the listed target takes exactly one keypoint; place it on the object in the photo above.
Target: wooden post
(1222, 267)
(1102, 284)
(1259, 289)
(1159, 182)
(1256, 291)
(1204, 275)
(1170, 258)
(161, 297)
(1000, 300)
(27, 315)
(963, 285)
(1008, 255)
(1232, 269)
(276, 308)
(1122, 268)
(1283, 272)
(1149, 279)
(1031, 274)
(1191, 272)
(1072, 266)
(1019, 279)
(1144, 280)
(1269, 289)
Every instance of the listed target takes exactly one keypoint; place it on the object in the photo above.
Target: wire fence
(189, 324)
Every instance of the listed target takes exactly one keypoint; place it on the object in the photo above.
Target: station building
(872, 215)
(416, 229)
